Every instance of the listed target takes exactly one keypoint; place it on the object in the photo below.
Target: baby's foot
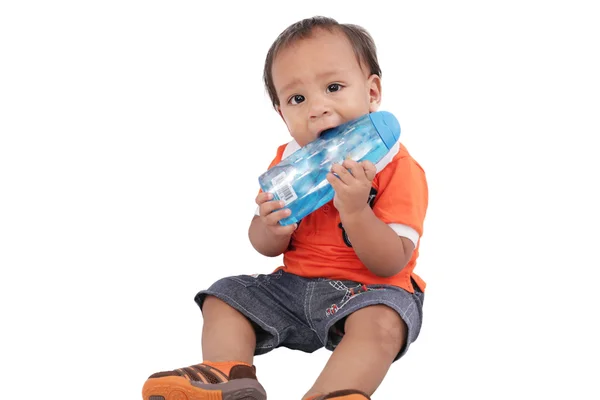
(203, 382)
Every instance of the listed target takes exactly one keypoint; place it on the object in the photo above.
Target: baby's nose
(319, 107)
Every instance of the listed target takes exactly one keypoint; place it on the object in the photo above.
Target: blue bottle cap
(387, 126)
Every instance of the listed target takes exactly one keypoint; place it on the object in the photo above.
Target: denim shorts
(307, 314)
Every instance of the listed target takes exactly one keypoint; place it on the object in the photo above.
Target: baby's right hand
(270, 218)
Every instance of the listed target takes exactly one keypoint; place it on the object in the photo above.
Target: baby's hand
(271, 212)
(352, 182)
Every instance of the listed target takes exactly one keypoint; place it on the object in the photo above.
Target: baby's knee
(381, 324)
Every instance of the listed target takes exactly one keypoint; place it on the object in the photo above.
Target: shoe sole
(178, 388)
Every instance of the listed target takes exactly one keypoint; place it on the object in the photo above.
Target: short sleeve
(402, 193)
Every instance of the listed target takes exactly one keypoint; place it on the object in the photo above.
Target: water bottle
(300, 179)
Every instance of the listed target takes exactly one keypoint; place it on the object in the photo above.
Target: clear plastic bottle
(300, 179)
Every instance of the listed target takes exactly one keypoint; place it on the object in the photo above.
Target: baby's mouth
(321, 133)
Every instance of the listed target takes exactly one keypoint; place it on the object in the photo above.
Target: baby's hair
(361, 41)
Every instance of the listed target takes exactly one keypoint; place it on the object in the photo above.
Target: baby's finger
(274, 217)
(343, 174)
(287, 230)
(370, 169)
(263, 197)
(355, 168)
(268, 207)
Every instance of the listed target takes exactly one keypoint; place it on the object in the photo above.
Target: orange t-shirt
(320, 247)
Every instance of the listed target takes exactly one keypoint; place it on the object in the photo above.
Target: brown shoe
(345, 395)
(203, 382)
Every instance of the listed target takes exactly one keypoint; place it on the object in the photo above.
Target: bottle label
(284, 190)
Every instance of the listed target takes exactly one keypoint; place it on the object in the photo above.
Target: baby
(347, 282)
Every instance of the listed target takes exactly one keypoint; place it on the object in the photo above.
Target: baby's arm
(379, 248)
(375, 233)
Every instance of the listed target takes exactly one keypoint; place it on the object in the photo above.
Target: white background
(132, 134)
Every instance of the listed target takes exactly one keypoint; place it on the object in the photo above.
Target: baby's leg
(228, 343)
(373, 338)
(226, 334)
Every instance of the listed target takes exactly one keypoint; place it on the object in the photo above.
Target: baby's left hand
(352, 185)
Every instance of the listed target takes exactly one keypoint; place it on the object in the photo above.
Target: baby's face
(320, 84)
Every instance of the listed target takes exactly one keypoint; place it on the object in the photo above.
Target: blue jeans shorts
(306, 314)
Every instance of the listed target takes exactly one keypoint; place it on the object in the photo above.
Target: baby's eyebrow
(322, 75)
(330, 73)
(290, 85)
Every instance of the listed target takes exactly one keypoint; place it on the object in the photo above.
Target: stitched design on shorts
(349, 293)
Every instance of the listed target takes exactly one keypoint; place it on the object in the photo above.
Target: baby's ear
(374, 86)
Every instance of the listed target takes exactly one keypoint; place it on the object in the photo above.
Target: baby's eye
(334, 87)
(296, 99)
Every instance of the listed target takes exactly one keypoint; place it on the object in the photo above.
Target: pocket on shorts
(245, 280)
